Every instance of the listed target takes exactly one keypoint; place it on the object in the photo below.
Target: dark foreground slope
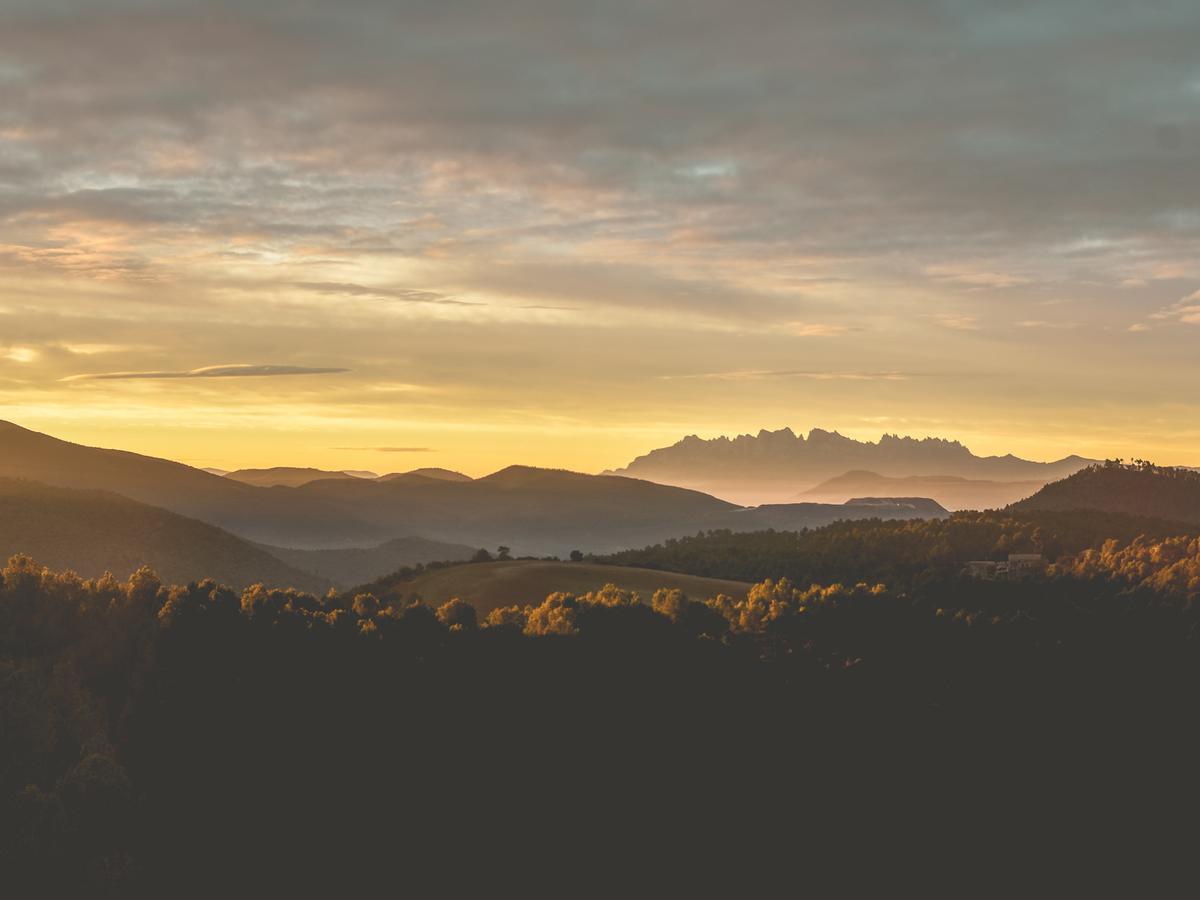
(192, 742)
(93, 532)
(1140, 489)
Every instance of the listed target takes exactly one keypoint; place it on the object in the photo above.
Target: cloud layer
(235, 371)
(562, 231)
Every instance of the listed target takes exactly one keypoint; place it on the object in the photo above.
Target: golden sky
(384, 236)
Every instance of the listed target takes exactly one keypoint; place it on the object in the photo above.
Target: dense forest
(157, 735)
(901, 553)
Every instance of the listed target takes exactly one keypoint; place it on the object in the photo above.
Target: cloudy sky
(389, 234)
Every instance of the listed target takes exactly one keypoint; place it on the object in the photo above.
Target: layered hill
(1141, 490)
(537, 512)
(775, 465)
(354, 565)
(796, 516)
(272, 515)
(285, 476)
(951, 491)
(93, 532)
(428, 472)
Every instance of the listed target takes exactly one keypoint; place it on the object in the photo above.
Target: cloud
(389, 449)
(361, 290)
(1138, 327)
(956, 321)
(233, 371)
(814, 329)
(976, 278)
(19, 354)
(1186, 310)
(1044, 323)
(764, 375)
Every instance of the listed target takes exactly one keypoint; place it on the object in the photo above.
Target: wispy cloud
(814, 329)
(389, 449)
(975, 278)
(1186, 310)
(956, 321)
(768, 374)
(1044, 323)
(406, 295)
(234, 371)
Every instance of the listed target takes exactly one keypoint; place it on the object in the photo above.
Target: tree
(457, 615)
(503, 552)
(576, 556)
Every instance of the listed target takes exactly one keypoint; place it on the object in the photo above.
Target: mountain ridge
(775, 465)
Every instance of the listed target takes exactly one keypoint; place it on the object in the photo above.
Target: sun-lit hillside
(519, 582)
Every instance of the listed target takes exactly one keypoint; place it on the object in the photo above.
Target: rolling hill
(354, 565)
(487, 586)
(272, 515)
(428, 472)
(951, 491)
(773, 466)
(536, 512)
(1141, 490)
(93, 532)
(284, 476)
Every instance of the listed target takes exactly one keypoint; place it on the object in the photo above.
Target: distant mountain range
(289, 476)
(534, 511)
(779, 465)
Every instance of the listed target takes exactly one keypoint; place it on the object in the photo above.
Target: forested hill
(1139, 488)
(93, 532)
(900, 553)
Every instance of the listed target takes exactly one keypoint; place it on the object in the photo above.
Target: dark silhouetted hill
(92, 532)
(1140, 489)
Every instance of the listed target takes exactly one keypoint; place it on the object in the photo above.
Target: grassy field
(489, 585)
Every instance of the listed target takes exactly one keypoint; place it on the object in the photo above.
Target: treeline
(161, 735)
(900, 553)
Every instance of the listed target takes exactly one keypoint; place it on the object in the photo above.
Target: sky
(383, 235)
